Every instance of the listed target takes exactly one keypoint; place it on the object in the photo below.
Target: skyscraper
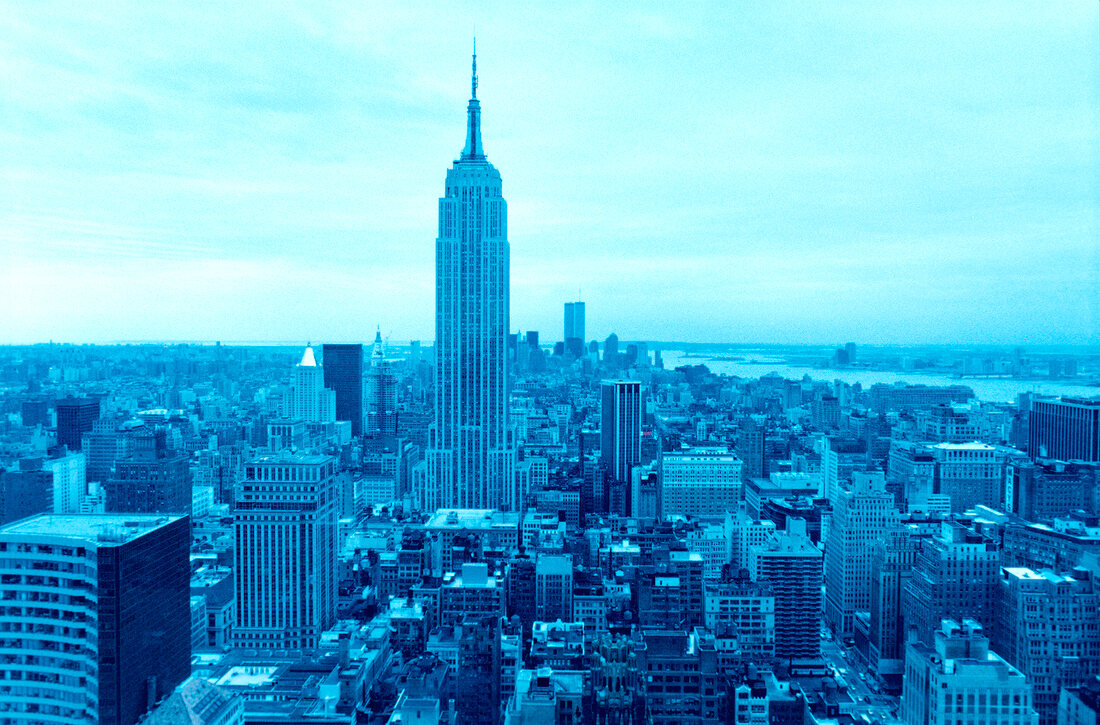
(620, 427)
(381, 392)
(153, 479)
(25, 491)
(790, 563)
(862, 514)
(311, 401)
(96, 616)
(75, 417)
(471, 456)
(954, 576)
(285, 526)
(343, 373)
(1067, 429)
(574, 328)
(574, 320)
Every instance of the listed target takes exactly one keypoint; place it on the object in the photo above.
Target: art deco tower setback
(471, 459)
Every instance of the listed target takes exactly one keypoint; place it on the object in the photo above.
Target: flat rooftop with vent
(100, 529)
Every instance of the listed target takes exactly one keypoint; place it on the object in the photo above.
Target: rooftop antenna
(473, 81)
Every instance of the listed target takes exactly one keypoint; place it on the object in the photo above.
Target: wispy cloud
(874, 171)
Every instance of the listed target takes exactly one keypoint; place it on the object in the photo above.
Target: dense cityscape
(520, 527)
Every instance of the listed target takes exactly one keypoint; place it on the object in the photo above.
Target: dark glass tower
(620, 439)
(107, 630)
(75, 417)
(620, 427)
(343, 366)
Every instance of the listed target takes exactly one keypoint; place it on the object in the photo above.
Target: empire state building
(471, 455)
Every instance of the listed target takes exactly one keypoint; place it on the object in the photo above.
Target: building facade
(94, 616)
(471, 455)
(343, 374)
(700, 482)
(1067, 429)
(791, 565)
(381, 392)
(310, 400)
(75, 417)
(620, 440)
(285, 527)
(862, 515)
(958, 681)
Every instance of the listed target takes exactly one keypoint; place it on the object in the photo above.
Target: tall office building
(620, 427)
(75, 417)
(285, 576)
(954, 576)
(343, 374)
(471, 456)
(36, 411)
(971, 474)
(700, 482)
(310, 400)
(958, 680)
(840, 457)
(1067, 429)
(574, 328)
(69, 481)
(153, 479)
(891, 569)
(103, 444)
(750, 448)
(1049, 628)
(25, 491)
(862, 515)
(791, 565)
(611, 349)
(381, 392)
(96, 616)
(554, 587)
(1043, 490)
(574, 321)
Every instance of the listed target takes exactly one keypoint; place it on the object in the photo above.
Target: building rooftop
(472, 519)
(99, 529)
(285, 457)
(248, 676)
(975, 446)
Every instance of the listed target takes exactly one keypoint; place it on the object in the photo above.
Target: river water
(996, 390)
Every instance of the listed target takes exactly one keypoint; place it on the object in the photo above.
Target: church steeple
(473, 150)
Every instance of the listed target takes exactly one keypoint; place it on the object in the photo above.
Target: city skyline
(867, 173)
(863, 487)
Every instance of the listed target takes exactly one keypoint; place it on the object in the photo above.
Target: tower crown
(473, 150)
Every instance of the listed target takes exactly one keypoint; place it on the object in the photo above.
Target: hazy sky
(737, 171)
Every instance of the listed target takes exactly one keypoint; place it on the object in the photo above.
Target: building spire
(473, 150)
